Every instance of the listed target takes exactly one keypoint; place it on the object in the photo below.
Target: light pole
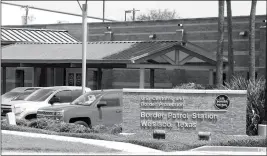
(84, 46)
(134, 13)
(103, 10)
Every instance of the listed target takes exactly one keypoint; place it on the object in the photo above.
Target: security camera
(108, 28)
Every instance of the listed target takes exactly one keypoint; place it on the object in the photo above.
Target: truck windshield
(23, 95)
(86, 99)
(40, 95)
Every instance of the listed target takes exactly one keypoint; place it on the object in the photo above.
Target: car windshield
(40, 95)
(10, 95)
(86, 99)
(23, 95)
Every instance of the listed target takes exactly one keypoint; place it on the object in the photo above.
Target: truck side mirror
(54, 99)
(101, 104)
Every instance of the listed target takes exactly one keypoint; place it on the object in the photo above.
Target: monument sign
(219, 111)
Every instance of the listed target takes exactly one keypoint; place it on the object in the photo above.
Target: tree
(252, 41)
(219, 56)
(159, 14)
(230, 41)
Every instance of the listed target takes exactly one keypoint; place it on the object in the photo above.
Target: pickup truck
(8, 96)
(47, 96)
(93, 108)
(19, 93)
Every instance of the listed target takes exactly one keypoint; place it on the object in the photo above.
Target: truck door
(111, 113)
(65, 97)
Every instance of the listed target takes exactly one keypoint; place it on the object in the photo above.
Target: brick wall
(231, 121)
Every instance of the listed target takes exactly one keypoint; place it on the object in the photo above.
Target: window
(64, 96)
(23, 95)
(75, 94)
(112, 99)
(87, 98)
(40, 95)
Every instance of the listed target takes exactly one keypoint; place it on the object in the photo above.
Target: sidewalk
(124, 147)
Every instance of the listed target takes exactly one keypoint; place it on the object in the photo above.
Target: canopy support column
(4, 79)
(152, 77)
(211, 77)
(142, 78)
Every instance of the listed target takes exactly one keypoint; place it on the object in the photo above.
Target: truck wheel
(81, 123)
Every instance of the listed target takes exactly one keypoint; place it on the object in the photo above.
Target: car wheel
(81, 123)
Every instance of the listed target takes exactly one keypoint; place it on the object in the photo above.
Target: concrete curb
(137, 153)
(231, 148)
(124, 147)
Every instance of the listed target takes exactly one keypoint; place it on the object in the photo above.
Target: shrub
(189, 86)
(22, 122)
(58, 126)
(100, 128)
(256, 100)
(116, 129)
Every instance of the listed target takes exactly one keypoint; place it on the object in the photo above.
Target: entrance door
(74, 77)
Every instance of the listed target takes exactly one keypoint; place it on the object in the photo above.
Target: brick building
(200, 32)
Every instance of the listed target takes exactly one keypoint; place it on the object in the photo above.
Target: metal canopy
(36, 35)
(108, 53)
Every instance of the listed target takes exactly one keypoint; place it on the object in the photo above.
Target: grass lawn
(173, 142)
(27, 144)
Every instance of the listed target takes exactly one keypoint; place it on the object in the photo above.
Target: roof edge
(24, 28)
(101, 42)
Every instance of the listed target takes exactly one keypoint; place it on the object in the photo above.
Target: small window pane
(75, 94)
(112, 99)
(64, 96)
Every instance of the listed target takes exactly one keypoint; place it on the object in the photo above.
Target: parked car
(92, 108)
(8, 96)
(58, 95)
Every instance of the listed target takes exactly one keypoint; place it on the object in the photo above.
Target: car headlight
(18, 110)
(59, 113)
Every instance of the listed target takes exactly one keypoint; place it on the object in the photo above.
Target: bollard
(262, 129)
(159, 134)
(204, 136)
(11, 119)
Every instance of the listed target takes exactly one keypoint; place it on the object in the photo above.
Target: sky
(11, 15)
